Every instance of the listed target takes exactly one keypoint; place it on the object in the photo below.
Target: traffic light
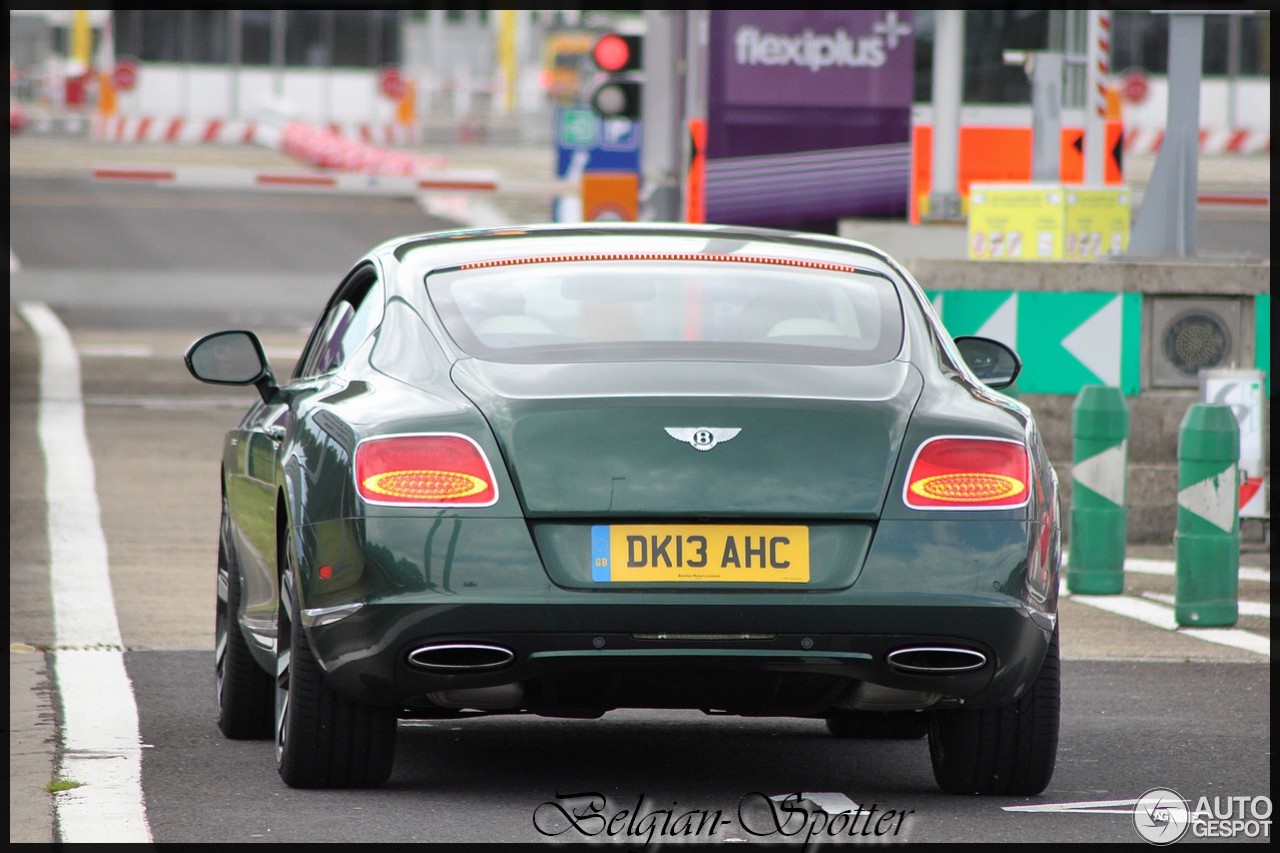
(619, 59)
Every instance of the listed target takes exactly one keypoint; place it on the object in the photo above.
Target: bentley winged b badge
(702, 438)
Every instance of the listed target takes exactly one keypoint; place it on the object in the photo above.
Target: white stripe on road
(1134, 608)
(1082, 807)
(1161, 616)
(1246, 640)
(101, 746)
(1245, 608)
(1144, 566)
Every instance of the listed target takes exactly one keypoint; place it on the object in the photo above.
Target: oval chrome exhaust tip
(460, 657)
(936, 660)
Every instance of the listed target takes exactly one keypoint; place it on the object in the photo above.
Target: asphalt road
(136, 274)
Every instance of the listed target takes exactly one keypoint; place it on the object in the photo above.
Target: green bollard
(1100, 433)
(1207, 541)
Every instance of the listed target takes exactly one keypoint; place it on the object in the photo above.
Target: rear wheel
(323, 740)
(1010, 750)
(878, 725)
(244, 690)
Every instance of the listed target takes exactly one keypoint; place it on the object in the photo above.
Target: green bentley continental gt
(565, 469)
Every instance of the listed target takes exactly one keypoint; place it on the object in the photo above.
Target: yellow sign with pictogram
(1097, 222)
(1016, 222)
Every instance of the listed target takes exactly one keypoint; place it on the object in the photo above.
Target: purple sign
(817, 58)
(808, 115)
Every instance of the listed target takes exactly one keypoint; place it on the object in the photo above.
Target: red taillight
(424, 470)
(968, 473)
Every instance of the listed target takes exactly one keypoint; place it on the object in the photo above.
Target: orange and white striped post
(1097, 72)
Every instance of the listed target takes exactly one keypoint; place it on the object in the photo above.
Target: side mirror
(232, 358)
(991, 361)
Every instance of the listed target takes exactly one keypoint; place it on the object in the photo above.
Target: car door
(266, 433)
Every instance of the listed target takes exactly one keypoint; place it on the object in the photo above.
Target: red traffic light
(614, 52)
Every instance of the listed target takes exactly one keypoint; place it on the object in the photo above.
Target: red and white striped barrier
(216, 177)
(1141, 141)
(378, 134)
(215, 130)
(326, 149)
(123, 129)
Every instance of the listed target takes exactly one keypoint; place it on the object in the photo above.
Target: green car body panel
(576, 446)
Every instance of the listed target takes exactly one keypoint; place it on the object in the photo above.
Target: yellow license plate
(699, 553)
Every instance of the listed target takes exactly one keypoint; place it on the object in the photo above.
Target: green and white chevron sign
(1066, 340)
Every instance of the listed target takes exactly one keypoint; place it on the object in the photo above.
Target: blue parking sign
(586, 141)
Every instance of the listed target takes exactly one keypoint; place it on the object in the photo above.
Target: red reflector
(441, 469)
(968, 473)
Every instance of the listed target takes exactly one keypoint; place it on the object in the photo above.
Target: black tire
(245, 692)
(878, 725)
(1009, 750)
(323, 740)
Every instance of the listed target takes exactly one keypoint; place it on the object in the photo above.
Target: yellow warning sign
(1016, 222)
(1097, 222)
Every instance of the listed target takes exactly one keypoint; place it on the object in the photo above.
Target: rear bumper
(748, 654)
(977, 587)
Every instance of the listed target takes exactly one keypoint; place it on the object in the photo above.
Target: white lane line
(1145, 566)
(1154, 613)
(1235, 637)
(1169, 568)
(117, 351)
(1246, 608)
(14, 264)
(1084, 807)
(1134, 608)
(101, 745)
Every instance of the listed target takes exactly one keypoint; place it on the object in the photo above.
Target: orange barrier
(696, 188)
(1000, 153)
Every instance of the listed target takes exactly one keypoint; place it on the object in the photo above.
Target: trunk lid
(655, 439)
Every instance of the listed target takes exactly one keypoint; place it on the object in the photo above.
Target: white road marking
(14, 264)
(1234, 637)
(118, 351)
(1246, 608)
(1154, 613)
(1144, 566)
(101, 745)
(174, 402)
(1085, 807)
(1134, 608)
(831, 802)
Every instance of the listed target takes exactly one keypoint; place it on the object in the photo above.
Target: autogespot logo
(1161, 816)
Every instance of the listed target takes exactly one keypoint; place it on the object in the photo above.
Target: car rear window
(597, 308)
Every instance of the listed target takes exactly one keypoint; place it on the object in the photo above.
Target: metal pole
(948, 91)
(234, 50)
(277, 49)
(1166, 222)
(1046, 116)
(696, 34)
(662, 116)
(436, 56)
(1234, 26)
